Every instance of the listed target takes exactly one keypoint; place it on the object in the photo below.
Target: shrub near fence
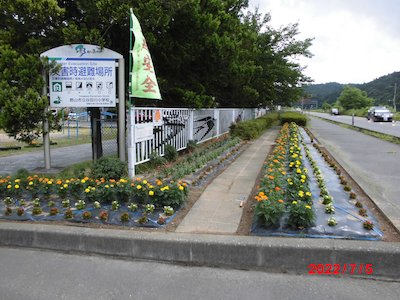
(289, 117)
(252, 129)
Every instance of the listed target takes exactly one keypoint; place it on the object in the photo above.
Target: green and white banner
(143, 81)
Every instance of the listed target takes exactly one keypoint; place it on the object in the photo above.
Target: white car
(72, 116)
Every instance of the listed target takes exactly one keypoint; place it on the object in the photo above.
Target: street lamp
(394, 97)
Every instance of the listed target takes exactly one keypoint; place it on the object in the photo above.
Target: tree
(354, 98)
(206, 53)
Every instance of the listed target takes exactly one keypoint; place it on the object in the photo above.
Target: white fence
(153, 128)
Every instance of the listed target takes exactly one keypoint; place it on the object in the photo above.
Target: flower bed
(295, 202)
(123, 202)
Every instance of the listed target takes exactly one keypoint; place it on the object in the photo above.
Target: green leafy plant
(157, 160)
(143, 219)
(326, 199)
(363, 212)
(65, 203)
(301, 215)
(36, 210)
(168, 210)
(8, 211)
(68, 214)
(86, 215)
(269, 212)
(80, 204)
(109, 168)
(133, 207)
(329, 209)
(125, 217)
(368, 225)
(114, 205)
(332, 221)
(170, 153)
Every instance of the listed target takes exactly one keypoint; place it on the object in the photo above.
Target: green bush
(157, 160)
(252, 129)
(361, 112)
(109, 168)
(170, 153)
(290, 116)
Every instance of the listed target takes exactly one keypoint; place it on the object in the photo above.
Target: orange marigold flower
(277, 188)
(271, 177)
(280, 201)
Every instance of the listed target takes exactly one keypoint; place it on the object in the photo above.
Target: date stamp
(339, 269)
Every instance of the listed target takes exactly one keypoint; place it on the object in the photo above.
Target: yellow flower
(144, 181)
(16, 186)
(308, 206)
(30, 182)
(87, 190)
(139, 187)
(9, 186)
(83, 181)
(17, 180)
(308, 194)
(107, 186)
(298, 171)
(301, 193)
(294, 202)
(181, 188)
(65, 185)
(151, 193)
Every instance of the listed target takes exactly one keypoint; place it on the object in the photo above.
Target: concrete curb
(270, 254)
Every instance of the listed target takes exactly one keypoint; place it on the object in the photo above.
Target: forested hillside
(380, 89)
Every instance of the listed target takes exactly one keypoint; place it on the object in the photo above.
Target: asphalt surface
(391, 128)
(30, 274)
(373, 163)
(60, 158)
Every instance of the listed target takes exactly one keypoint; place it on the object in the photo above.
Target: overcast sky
(356, 41)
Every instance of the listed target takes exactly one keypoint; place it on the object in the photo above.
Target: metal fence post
(216, 117)
(191, 125)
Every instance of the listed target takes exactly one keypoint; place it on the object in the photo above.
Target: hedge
(252, 129)
(290, 116)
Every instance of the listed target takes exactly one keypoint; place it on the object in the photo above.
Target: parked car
(72, 116)
(379, 114)
(335, 111)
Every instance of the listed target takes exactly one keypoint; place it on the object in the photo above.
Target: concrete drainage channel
(283, 255)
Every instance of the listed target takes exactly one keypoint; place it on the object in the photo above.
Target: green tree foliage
(354, 98)
(206, 52)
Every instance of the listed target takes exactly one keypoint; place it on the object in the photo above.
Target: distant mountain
(380, 89)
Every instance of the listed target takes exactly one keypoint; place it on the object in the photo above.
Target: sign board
(143, 132)
(86, 78)
(83, 83)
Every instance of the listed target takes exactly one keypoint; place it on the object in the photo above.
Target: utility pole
(394, 97)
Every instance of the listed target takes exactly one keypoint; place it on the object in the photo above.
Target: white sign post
(87, 78)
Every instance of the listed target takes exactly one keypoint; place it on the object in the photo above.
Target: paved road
(373, 163)
(30, 274)
(391, 128)
(60, 157)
